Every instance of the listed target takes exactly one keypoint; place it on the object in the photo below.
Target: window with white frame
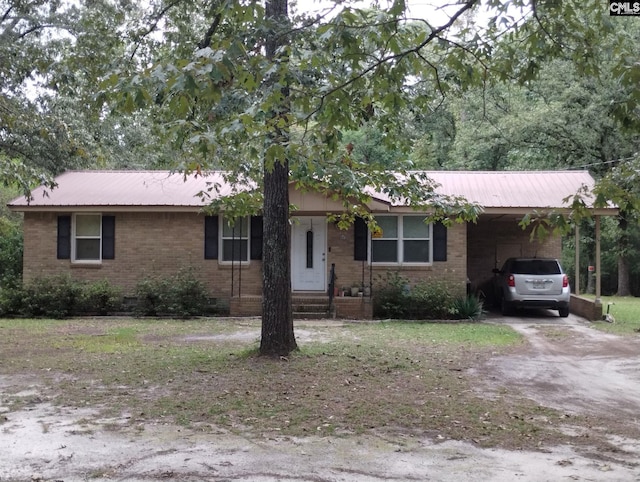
(401, 239)
(235, 239)
(87, 237)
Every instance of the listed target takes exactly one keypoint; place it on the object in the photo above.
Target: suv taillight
(565, 281)
(511, 281)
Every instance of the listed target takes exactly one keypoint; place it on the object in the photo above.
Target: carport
(507, 197)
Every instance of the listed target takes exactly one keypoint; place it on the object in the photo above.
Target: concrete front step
(310, 307)
(311, 315)
(306, 310)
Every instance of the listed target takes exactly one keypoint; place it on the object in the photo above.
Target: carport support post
(598, 277)
(576, 288)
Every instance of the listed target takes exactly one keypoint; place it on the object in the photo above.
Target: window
(402, 239)
(90, 238)
(87, 237)
(235, 240)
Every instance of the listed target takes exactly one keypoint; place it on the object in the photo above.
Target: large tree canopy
(268, 95)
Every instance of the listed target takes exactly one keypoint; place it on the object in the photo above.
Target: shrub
(432, 300)
(151, 294)
(99, 297)
(391, 297)
(188, 295)
(394, 298)
(181, 295)
(59, 297)
(468, 307)
(11, 248)
(11, 300)
(54, 297)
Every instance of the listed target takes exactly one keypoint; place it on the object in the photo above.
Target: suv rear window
(535, 266)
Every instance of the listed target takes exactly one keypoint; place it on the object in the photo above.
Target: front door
(308, 254)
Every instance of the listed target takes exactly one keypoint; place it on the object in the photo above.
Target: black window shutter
(108, 237)
(211, 237)
(360, 238)
(439, 242)
(256, 237)
(64, 237)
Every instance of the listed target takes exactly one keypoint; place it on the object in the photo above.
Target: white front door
(308, 254)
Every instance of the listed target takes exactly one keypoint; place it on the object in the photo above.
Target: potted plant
(355, 289)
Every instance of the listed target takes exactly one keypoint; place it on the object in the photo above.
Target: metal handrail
(332, 285)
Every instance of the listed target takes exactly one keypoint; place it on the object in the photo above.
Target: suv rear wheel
(505, 307)
(563, 312)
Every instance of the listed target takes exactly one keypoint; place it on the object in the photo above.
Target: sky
(436, 12)
(433, 10)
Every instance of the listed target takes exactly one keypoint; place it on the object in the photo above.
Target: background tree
(577, 112)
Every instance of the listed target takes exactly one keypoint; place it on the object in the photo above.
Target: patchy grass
(626, 311)
(355, 378)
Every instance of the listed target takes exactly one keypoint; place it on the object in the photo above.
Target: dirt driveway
(567, 365)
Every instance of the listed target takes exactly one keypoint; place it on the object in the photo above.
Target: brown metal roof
(161, 189)
(124, 189)
(512, 189)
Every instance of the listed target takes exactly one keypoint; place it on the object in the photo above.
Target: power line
(600, 163)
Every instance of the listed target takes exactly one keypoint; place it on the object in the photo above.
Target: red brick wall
(494, 239)
(146, 244)
(160, 244)
(340, 252)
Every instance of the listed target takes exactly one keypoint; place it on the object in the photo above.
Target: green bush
(391, 297)
(11, 248)
(59, 297)
(181, 295)
(189, 296)
(468, 307)
(11, 300)
(432, 300)
(99, 297)
(151, 297)
(54, 297)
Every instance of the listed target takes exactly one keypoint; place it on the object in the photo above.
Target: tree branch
(154, 25)
(433, 35)
(206, 41)
(6, 14)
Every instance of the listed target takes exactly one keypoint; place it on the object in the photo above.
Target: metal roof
(162, 189)
(512, 189)
(125, 189)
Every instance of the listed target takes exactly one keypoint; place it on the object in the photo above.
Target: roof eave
(105, 208)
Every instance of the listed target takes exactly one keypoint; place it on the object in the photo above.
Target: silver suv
(532, 282)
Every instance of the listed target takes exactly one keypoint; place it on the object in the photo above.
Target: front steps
(310, 307)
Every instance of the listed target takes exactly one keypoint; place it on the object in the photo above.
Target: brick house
(125, 225)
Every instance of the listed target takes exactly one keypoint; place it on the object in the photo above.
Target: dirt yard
(592, 378)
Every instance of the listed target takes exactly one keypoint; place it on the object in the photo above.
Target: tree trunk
(277, 318)
(624, 286)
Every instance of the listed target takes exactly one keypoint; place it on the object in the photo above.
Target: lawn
(626, 312)
(205, 374)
